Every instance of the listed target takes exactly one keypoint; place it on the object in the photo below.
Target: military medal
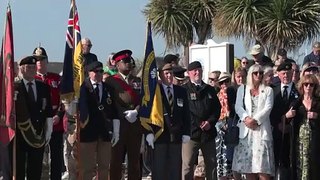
(193, 96)
(109, 101)
(180, 102)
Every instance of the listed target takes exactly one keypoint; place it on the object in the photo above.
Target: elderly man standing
(285, 96)
(34, 121)
(88, 57)
(127, 102)
(53, 80)
(99, 124)
(167, 148)
(205, 109)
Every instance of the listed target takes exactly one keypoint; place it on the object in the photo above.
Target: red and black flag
(7, 121)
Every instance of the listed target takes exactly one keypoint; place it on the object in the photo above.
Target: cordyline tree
(178, 20)
(272, 23)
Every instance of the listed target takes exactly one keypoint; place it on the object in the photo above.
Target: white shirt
(288, 88)
(33, 87)
(94, 84)
(124, 77)
(165, 87)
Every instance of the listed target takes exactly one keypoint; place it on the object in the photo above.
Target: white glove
(131, 115)
(185, 138)
(116, 132)
(48, 129)
(150, 140)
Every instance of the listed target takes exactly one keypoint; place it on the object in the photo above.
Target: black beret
(94, 65)
(165, 66)
(284, 66)
(122, 55)
(282, 52)
(169, 58)
(178, 72)
(40, 53)
(194, 65)
(27, 60)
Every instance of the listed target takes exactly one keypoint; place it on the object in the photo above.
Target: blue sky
(112, 25)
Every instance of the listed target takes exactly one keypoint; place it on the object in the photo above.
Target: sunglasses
(258, 72)
(224, 82)
(245, 62)
(213, 79)
(308, 84)
(98, 71)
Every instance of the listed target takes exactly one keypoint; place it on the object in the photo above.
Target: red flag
(7, 122)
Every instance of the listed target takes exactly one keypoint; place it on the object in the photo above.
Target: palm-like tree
(177, 20)
(170, 18)
(289, 23)
(272, 23)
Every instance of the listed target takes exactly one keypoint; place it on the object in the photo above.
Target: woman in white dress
(253, 156)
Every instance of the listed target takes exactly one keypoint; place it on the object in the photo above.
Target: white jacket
(265, 103)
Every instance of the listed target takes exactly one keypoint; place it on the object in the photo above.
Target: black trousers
(56, 155)
(6, 160)
(28, 160)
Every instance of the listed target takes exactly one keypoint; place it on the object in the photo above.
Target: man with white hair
(88, 57)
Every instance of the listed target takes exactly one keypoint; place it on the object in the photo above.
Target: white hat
(224, 76)
(256, 49)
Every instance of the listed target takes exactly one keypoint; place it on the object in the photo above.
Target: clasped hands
(251, 123)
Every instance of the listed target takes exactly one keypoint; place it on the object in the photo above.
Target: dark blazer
(280, 108)
(177, 123)
(204, 105)
(37, 111)
(96, 125)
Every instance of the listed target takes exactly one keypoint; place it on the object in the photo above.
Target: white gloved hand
(150, 140)
(116, 132)
(185, 138)
(131, 115)
(48, 129)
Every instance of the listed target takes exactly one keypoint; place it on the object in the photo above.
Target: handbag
(231, 137)
(282, 173)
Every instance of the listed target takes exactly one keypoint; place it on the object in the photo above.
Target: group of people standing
(278, 119)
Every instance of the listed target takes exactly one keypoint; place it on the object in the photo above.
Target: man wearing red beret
(127, 103)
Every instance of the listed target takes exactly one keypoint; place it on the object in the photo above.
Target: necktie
(170, 98)
(30, 92)
(285, 93)
(96, 89)
(198, 87)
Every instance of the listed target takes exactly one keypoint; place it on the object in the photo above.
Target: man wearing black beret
(285, 95)
(33, 117)
(99, 122)
(204, 107)
(171, 59)
(178, 74)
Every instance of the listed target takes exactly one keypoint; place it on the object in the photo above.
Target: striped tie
(170, 98)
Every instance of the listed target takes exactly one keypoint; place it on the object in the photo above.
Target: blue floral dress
(252, 154)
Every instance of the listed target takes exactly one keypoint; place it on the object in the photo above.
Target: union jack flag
(73, 69)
